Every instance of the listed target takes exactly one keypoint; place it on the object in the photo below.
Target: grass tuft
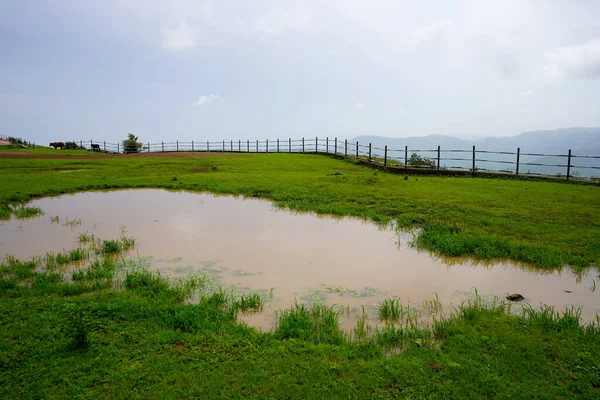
(318, 324)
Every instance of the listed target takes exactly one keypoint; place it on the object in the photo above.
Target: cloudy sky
(247, 69)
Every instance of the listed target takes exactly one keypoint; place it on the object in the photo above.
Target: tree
(131, 144)
(416, 160)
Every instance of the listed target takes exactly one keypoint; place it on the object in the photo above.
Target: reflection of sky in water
(180, 233)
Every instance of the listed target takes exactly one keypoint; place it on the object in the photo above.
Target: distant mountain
(581, 141)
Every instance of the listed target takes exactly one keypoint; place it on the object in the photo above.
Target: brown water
(250, 245)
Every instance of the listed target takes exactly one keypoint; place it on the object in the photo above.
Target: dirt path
(59, 156)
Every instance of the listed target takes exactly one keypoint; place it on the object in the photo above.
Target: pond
(249, 245)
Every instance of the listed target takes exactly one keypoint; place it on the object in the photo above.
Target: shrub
(73, 146)
(416, 160)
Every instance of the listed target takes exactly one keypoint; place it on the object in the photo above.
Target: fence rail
(565, 166)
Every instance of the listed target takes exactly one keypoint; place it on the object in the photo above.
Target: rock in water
(515, 297)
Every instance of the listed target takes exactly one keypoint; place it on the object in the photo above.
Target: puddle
(251, 246)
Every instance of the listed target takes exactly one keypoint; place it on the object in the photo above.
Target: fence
(17, 141)
(567, 166)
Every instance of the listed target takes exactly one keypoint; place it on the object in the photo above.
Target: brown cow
(57, 145)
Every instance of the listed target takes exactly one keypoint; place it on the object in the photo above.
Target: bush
(73, 146)
(416, 160)
(131, 144)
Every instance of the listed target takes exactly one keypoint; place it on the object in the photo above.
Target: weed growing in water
(249, 302)
(73, 223)
(23, 212)
(85, 238)
(78, 254)
(54, 220)
(389, 310)
(362, 330)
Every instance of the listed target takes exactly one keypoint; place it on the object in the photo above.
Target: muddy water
(250, 245)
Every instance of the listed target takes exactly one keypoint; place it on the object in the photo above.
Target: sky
(266, 69)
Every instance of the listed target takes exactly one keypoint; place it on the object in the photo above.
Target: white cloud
(580, 61)
(203, 100)
(425, 34)
(527, 93)
(360, 104)
(280, 20)
(184, 36)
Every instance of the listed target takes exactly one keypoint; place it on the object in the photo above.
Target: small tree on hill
(131, 144)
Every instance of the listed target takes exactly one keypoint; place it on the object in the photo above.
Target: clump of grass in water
(104, 269)
(85, 238)
(54, 220)
(389, 309)
(253, 302)
(318, 324)
(116, 246)
(362, 330)
(23, 212)
(74, 255)
(73, 223)
(249, 302)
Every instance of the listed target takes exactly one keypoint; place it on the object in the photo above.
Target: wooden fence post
(81, 144)
(569, 165)
(177, 141)
(385, 156)
(257, 145)
(316, 144)
(148, 147)
(248, 145)
(369, 152)
(335, 152)
(267, 145)
(240, 145)
(105, 146)
(303, 145)
(231, 146)
(518, 156)
(207, 145)
(192, 145)
(345, 148)
(278, 145)
(118, 149)
(327, 144)
(357, 150)
(405, 157)
(289, 145)
(438, 165)
(473, 158)
(223, 145)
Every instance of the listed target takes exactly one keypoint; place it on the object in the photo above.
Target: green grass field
(108, 328)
